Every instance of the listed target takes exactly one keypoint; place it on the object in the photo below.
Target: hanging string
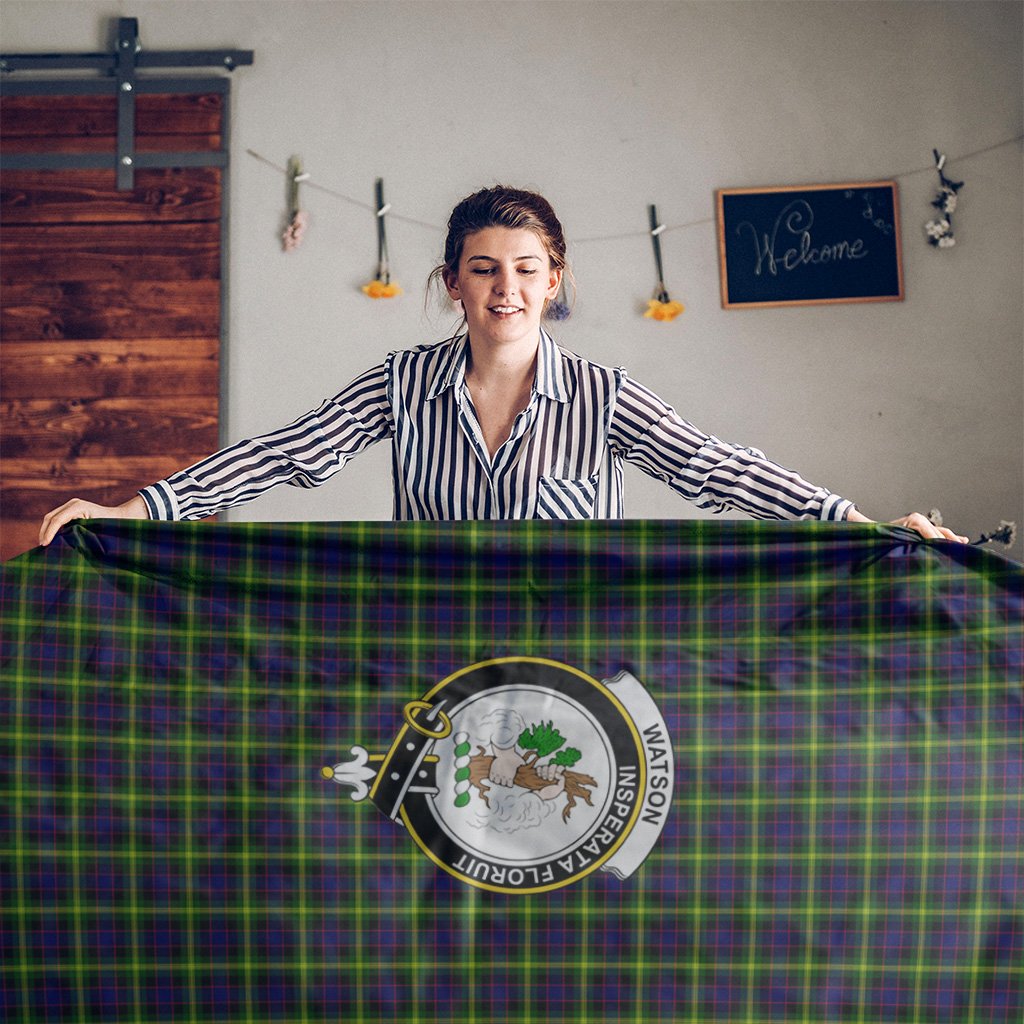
(311, 184)
(927, 168)
(965, 156)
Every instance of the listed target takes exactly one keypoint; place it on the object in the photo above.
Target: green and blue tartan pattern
(846, 841)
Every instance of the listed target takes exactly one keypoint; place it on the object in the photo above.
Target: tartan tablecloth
(844, 706)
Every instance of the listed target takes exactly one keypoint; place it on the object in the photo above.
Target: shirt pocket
(564, 498)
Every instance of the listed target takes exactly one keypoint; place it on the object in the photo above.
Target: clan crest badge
(524, 775)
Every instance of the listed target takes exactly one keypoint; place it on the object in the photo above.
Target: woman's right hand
(76, 508)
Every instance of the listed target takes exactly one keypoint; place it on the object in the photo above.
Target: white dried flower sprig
(940, 231)
(1005, 533)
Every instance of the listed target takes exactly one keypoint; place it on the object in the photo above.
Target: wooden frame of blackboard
(883, 284)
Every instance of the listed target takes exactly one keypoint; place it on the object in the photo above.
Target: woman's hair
(501, 207)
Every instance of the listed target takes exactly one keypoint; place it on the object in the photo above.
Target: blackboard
(784, 246)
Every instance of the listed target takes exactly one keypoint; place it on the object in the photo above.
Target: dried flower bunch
(660, 307)
(940, 231)
(1005, 533)
(298, 218)
(381, 287)
(292, 236)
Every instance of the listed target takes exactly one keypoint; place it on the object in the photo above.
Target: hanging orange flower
(381, 290)
(661, 307)
(381, 287)
(658, 310)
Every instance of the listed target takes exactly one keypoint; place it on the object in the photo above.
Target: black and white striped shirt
(562, 459)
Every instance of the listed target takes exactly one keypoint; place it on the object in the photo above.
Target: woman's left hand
(915, 521)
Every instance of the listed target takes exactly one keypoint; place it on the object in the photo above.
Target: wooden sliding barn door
(110, 310)
(111, 225)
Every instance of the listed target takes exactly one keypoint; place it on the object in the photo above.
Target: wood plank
(78, 116)
(109, 297)
(73, 477)
(34, 485)
(58, 115)
(58, 429)
(29, 488)
(108, 144)
(18, 536)
(110, 369)
(162, 195)
(118, 309)
(101, 252)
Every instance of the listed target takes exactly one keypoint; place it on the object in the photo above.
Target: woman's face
(504, 279)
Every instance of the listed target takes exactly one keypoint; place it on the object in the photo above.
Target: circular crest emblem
(523, 775)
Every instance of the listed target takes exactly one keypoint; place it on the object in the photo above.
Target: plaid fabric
(845, 844)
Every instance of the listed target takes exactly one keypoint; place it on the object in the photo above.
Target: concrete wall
(606, 107)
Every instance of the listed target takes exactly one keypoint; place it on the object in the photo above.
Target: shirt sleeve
(304, 453)
(707, 471)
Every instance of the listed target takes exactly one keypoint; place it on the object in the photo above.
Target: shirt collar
(550, 379)
(451, 370)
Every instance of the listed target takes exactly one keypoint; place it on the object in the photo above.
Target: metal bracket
(123, 65)
(128, 46)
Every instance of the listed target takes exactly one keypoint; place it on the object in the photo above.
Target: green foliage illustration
(543, 738)
(567, 757)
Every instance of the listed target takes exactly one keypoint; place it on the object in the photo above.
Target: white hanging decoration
(940, 230)
(298, 219)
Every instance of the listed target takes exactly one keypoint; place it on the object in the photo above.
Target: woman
(498, 422)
